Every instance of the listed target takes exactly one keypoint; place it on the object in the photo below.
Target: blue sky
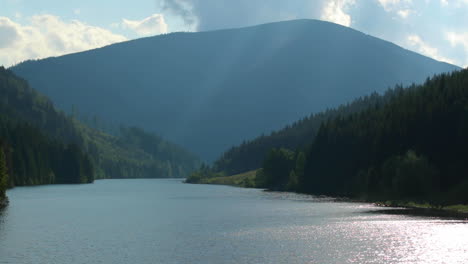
(31, 29)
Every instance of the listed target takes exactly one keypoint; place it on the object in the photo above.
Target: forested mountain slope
(411, 145)
(210, 90)
(416, 145)
(250, 154)
(30, 121)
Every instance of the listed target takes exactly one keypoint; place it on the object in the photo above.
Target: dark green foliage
(277, 167)
(408, 175)
(3, 174)
(37, 137)
(210, 90)
(204, 172)
(415, 146)
(250, 155)
(297, 174)
(409, 144)
(33, 158)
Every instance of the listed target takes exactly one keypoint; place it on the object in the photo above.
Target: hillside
(30, 155)
(29, 119)
(250, 154)
(413, 147)
(210, 90)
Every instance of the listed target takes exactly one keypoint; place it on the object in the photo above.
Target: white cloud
(402, 8)
(391, 5)
(9, 34)
(151, 25)
(459, 39)
(48, 35)
(335, 11)
(416, 42)
(404, 13)
(444, 2)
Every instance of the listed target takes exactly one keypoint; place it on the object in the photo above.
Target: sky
(33, 29)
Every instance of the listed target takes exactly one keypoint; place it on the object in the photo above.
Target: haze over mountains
(210, 90)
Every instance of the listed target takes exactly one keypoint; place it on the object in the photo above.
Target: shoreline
(410, 208)
(4, 202)
(388, 207)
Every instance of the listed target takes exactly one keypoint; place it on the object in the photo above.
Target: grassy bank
(246, 180)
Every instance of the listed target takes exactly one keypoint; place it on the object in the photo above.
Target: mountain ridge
(235, 83)
(233, 29)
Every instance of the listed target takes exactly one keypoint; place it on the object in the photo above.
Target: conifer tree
(3, 173)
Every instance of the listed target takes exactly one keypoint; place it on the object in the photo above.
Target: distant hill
(210, 90)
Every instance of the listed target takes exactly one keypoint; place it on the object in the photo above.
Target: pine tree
(3, 173)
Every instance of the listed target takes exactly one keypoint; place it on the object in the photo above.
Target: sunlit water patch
(165, 221)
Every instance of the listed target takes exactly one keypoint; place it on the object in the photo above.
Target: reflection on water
(422, 212)
(163, 221)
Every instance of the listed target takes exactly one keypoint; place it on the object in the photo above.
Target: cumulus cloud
(335, 11)
(417, 43)
(151, 25)
(459, 39)
(48, 35)
(8, 33)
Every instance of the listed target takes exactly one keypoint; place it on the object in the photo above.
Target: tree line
(250, 154)
(407, 144)
(28, 157)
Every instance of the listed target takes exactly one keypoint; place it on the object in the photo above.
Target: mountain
(36, 138)
(210, 90)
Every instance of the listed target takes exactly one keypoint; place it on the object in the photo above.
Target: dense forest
(28, 157)
(414, 145)
(250, 154)
(4, 177)
(32, 158)
(37, 144)
(41, 145)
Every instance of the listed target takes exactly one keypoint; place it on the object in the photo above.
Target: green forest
(250, 154)
(407, 144)
(41, 145)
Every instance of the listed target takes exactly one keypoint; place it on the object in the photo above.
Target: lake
(166, 221)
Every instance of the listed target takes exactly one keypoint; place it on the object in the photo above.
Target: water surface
(166, 221)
